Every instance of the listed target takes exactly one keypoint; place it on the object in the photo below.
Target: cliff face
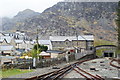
(68, 18)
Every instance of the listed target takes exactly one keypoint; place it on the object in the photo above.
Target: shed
(56, 53)
(45, 55)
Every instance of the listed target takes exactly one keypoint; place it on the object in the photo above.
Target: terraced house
(83, 42)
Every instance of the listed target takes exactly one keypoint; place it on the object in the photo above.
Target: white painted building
(7, 60)
(7, 50)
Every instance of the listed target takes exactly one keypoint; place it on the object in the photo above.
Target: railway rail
(59, 74)
(116, 66)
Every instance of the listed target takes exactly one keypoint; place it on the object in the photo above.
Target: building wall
(4, 43)
(57, 45)
(7, 60)
(11, 52)
(21, 45)
(29, 45)
(12, 42)
(56, 55)
(81, 44)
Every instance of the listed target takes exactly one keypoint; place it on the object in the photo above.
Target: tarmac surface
(40, 71)
(102, 68)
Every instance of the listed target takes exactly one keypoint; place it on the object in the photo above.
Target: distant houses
(14, 44)
(7, 50)
(7, 59)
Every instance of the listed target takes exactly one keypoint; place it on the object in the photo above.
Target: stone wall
(45, 62)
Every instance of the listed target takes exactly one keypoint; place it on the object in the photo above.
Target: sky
(9, 8)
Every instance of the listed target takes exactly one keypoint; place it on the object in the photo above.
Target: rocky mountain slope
(68, 18)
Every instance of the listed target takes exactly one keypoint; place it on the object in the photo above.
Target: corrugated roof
(6, 47)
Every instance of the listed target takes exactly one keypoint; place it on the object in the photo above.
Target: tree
(37, 49)
(43, 48)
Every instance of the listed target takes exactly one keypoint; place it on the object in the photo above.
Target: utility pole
(77, 41)
(37, 41)
(35, 59)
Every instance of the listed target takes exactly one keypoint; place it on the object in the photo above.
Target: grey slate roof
(8, 57)
(86, 37)
(7, 38)
(62, 38)
(19, 41)
(6, 47)
(44, 42)
(54, 51)
(70, 38)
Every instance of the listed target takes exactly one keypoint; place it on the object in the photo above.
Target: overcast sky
(10, 8)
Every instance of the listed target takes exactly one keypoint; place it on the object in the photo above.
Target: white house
(29, 44)
(7, 40)
(20, 44)
(18, 35)
(7, 60)
(7, 50)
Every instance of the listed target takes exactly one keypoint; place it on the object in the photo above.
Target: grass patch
(12, 72)
(102, 42)
(99, 52)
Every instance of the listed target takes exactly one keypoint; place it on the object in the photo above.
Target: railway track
(59, 74)
(113, 65)
(87, 75)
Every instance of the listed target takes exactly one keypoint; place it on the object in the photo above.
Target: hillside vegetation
(68, 18)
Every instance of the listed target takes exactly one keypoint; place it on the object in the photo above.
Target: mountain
(69, 18)
(21, 17)
(27, 13)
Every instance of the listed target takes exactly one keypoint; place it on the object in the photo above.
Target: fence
(82, 54)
